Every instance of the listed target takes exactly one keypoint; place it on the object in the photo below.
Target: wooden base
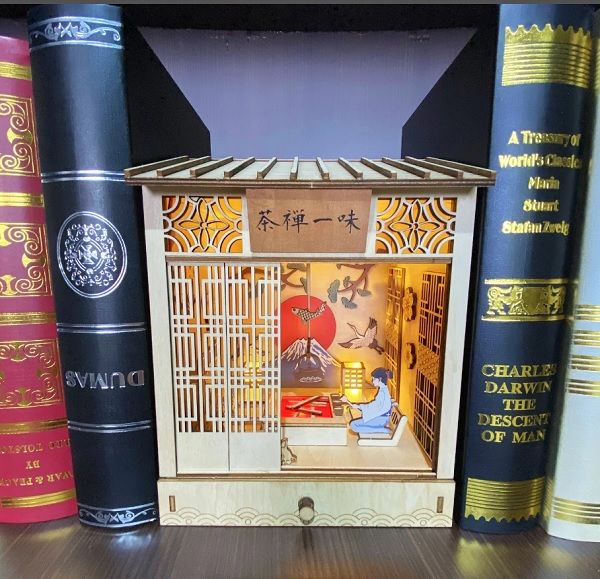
(272, 500)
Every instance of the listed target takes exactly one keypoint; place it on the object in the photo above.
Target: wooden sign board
(308, 220)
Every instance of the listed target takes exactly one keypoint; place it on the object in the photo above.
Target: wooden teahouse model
(282, 293)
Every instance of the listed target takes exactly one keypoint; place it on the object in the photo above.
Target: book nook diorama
(308, 322)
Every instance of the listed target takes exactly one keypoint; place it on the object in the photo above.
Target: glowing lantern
(353, 377)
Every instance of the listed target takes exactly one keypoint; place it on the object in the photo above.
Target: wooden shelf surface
(65, 549)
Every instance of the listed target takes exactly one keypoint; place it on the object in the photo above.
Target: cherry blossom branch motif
(294, 268)
(358, 286)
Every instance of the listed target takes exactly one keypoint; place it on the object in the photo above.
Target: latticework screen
(393, 327)
(253, 347)
(432, 316)
(197, 296)
(225, 347)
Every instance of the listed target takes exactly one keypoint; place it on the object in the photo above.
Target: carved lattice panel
(393, 327)
(203, 224)
(199, 365)
(432, 317)
(225, 358)
(253, 347)
(415, 225)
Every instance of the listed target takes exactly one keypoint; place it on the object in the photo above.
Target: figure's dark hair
(381, 373)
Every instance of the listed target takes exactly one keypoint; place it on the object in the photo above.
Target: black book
(95, 79)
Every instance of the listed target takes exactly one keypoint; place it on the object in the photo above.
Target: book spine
(94, 224)
(542, 77)
(572, 501)
(36, 471)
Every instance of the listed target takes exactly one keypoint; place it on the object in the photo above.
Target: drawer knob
(306, 510)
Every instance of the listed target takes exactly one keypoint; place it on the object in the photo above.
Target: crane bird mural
(364, 340)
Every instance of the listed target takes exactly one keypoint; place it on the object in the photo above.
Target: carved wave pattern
(248, 517)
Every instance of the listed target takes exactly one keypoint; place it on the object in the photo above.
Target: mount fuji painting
(306, 363)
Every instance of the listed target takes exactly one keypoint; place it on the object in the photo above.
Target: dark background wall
(310, 94)
(454, 118)
(315, 17)
(346, 86)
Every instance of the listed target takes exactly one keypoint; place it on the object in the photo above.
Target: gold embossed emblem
(547, 55)
(24, 260)
(525, 300)
(510, 501)
(21, 160)
(38, 382)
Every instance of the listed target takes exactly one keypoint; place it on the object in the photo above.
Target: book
(542, 78)
(81, 71)
(36, 471)
(572, 498)
(93, 231)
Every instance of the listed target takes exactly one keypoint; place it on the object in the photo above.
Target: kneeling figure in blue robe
(375, 414)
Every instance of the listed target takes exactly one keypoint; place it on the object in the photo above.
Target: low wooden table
(306, 428)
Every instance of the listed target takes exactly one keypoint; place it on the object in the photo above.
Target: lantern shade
(353, 376)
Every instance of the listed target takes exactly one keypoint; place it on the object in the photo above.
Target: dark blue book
(543, 75)
(90, 70)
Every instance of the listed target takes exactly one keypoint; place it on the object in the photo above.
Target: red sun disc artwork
(322, 328)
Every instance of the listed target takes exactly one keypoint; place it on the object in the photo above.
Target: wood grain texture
(293, 172)
(67, 550)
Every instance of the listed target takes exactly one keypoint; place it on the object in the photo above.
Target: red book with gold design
(36, 473)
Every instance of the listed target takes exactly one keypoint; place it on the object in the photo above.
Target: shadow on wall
(310, 94)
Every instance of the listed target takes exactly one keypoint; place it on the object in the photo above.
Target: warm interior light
(249, 394)
(354, 394)
(253, 373)
(353, 376)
